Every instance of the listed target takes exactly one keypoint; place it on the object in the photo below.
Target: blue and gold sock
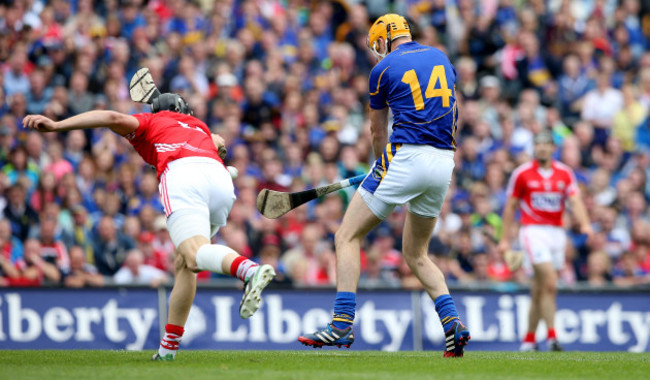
(344, 306)
(446, 310)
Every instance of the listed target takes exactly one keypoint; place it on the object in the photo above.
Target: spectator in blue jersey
(110, 247)
(573, 86)
(130, 18)
(20, 169)
(147, 195)
(19, 213)
(535, 69)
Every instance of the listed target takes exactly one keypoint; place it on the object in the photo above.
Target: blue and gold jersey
(417, 83)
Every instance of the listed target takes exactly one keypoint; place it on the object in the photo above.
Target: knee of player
(185, 260)
(549, 286)
(412, 251)
(341, 237)
(179, 262)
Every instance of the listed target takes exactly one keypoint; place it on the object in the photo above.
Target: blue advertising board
(79, 319)
(131, 319)
(384, 320)
(583, 322)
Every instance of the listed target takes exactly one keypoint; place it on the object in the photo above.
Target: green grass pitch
(322, 364)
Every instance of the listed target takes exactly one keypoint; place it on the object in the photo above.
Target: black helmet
(171, 102)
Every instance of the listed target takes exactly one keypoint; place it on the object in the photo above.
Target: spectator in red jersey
(36, 271)
(59, 166)
(374, 275)
(53, 250)
(162, 241)
(45, 191)
(152, 257)
(11, 253)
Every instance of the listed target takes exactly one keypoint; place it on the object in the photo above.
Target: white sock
(250, 270)
(170, 342)
(210, 256)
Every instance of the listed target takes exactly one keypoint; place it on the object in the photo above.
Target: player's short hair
(543, 137)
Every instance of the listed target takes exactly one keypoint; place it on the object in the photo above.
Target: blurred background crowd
(285, 82)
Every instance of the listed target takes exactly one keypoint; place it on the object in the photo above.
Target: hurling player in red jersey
(197, 192)
(541, 188)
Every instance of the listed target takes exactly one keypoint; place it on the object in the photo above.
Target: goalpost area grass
(321, 364)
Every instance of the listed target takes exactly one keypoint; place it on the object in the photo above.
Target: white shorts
(543, 244)
(197, 194)
(417, 175)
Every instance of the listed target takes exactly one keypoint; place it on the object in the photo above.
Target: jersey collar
(410, 43)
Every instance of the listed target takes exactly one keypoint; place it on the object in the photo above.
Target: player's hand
(503, 247)
(40, 123)
(220, 144)
(587, 230)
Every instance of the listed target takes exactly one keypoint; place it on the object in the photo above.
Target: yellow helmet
(389, 27)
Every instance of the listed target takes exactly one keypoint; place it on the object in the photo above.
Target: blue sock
(344, 307)
(446, 310)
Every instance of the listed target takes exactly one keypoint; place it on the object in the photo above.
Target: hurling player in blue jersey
(414, 167)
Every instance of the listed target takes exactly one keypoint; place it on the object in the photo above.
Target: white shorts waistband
(429, 149)
(192, 160)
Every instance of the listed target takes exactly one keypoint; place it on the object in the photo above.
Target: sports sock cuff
(210, 257)
(235, 265)
(344, 309)
(446, 310)
(343, 318)
(174, 329)
(551, 334)
(530, 337)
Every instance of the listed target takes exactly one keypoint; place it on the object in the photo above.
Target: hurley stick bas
(274, 204)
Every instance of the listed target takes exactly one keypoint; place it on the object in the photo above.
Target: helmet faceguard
(387, 27)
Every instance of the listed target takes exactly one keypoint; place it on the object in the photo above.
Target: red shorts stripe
(527, 247)
(165, 195)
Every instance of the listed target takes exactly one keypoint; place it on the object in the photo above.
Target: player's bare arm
(580, 212)
(119, 123)
(379, 130)
(508, 217)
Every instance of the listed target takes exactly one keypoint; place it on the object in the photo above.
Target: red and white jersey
(542, 193)
(165, 136)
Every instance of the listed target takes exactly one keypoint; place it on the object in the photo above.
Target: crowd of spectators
(285, 83)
